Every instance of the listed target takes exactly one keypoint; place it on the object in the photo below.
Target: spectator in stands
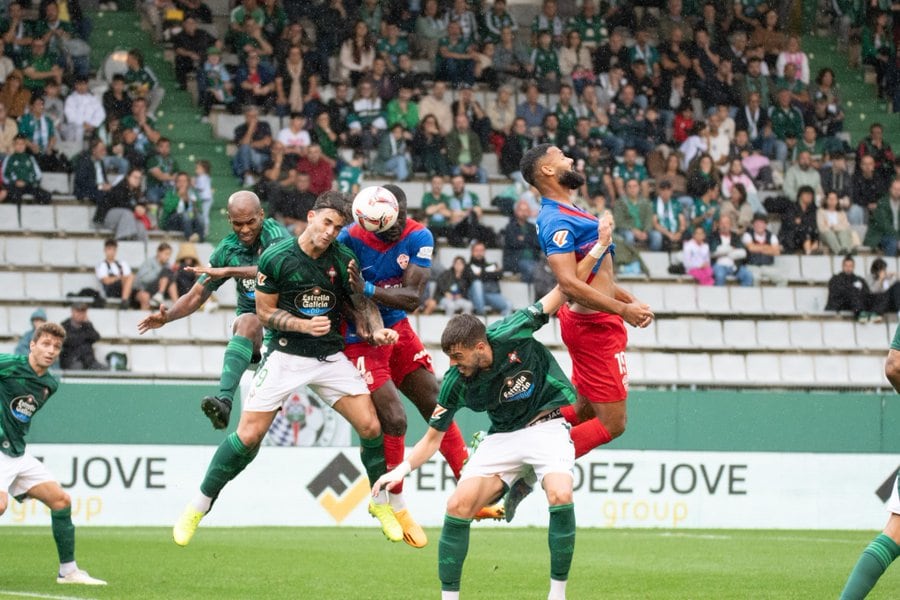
(701, 174)
(532, 110)
(762, 247)
(834, 228)
(696, 258)
(195, 9)
(84, 113)
(802, 174)
(190, 45)
(180, 209)
(451, 290)
(633, 215)
(787, 125)
(514, 147)
(403, 109)
(464, 151)
(629, 169)
(436, 206)
(277, 174)
(392, 156)
(405, 76)
(669, 225)
(9, 129)
(141, 81)
(466, 211)
(40, 66)
(497, 19)
(434, 104)
(455, 60)
(38, 318)
(114, 274)
(123, 209)
(382, 83)
(754, 119)
(367, 121)
(90, 174)
(868, 187)
(879, 149)
(185, 262)
(738, 209)
(294, 203)
(214, 83)
(627, 121)
(78, 347)
(17, 34)
(799, 230)
(38, 128)
(319, 169)
(392, 46)
(849, 291)
(430, 29)
(429, 150)
(484, 287)
(521, 247)
(357, 54)
(511, 59)
(161, 170)
(15, 97)
(827, 123)
(116, 102)
(884, 222)
(728, 254)
(154, 279)
(253, 138)
(22, 175)
(255, 83)
(249, 39)
(548, 21)
(705, 211)
(884, 290)
(242, 11)
(835, 177)
(878, 48)
(143, 126)
(295, 137)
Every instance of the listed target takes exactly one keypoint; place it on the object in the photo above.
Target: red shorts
(596, 343)
(378, 364)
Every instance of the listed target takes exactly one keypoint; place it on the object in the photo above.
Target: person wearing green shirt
(26, 385)
(391, 47)
(787, 122)
(22, 175)
(235, 257)
(40, 66)
(565, 112)
(496, 19)
(303, 288)
(633, 215)
(403, 110)
(350, 176)
(545, 60)
(591, 26)
(161, 169)
(436, 205)
(139, 78)
(455, 57)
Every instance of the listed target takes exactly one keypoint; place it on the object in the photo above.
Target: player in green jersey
(235, 257)
(25, 386)
(882, 551)
(302, 292)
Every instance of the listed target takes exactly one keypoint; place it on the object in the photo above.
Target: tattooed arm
(279, 319)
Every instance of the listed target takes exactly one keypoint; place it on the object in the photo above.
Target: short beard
(571, 179)
(393, 233)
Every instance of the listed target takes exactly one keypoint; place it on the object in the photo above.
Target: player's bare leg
(360, 413)
(421, 387)
(57, 500)
(245, 342)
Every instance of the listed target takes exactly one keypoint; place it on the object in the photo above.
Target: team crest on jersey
(331, 273)
(23, 408)
(260, 278)
(514, 357)
(403, 261)
(560, 237)
(314, 301)
(518, 387)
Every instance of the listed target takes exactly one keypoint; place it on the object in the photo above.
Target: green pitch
(503, 564)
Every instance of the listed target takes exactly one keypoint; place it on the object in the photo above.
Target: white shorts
(546, 447)
(893, 504)
(281, 373)
(21, 473)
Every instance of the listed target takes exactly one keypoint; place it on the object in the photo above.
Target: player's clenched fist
(317, 326)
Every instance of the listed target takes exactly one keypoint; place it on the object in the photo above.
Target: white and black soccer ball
(375, 208)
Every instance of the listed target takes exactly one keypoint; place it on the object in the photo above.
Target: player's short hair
(529, 163)
(163, 246)
(464, 331)
(52, 329)
(335, 201)
(111, 243)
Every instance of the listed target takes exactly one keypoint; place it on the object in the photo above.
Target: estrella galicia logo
(248, 287)
(517, 387)
(23, 408)
(339, 487)
(314, 301)
(885, 490)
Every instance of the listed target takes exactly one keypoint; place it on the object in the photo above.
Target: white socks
(202, 503)
(449, 595)
(66, 568)
(397, 501)
(557, 590)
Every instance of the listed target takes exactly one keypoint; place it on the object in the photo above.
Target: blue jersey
(384, 263)
(564, 228)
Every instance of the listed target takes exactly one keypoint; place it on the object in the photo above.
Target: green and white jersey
(22, 393)
(232, 253)
(348, 177)
(523, 381)
(307, 287)
(20, 167)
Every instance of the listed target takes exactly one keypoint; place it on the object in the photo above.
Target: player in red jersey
(394, 269)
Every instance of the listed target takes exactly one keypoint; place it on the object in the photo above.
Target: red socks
(588, 435)
(453, 448)
(569, 414)
(394, 447)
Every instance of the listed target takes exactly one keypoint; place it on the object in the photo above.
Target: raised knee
(393, 422)
(61, 502)
(557, 497)
(462, 508)
(369, 429)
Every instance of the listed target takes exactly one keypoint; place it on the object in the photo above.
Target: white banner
(150, 485)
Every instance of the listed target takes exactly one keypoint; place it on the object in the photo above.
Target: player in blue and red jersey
(394, 268)
(592, 325)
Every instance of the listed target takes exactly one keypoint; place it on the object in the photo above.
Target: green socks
(63, 534)
(371, 453)
(237, 358)
(452, 550)
(230, 459)
(561, 538)
(874, 561)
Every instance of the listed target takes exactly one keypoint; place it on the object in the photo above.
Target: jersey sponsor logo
(560, 237)
(425, 252)
(23, 408)
(438, 412)
(314, 301)
(260, 278)
(403, 261)
(518, 387)
(248, 285)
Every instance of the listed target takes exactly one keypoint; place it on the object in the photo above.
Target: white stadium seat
(549, 334)
(873, 336)
(147, 358)
(706, 333)
(42, 286)
(37, 218)
(729, 368)
(763, 368)
(6, 329)
(797, 368)
(430, 328)
(658, 264)
(773, 334)
(681, 298)
(22, 251)
(831, 369)
(174, 330)
(106, 321)
(867, 370)
(739, 334)
(642, 337)
(226, 295)
(778, 300)
(440, 362)
(75, 218)
(90, 252)
(634, 363)
(713, 300)
(789, 264)
(128, 325)
(208, 326)
(185, 360)
(133, 253)
(746, 300)
(651, 294)
(839, 335)
(60, 252)
(56, 183)
(810, 300)
(9, 218)
(816, 268)
(212, 356)
(673, 333)
(806, 335)
(517, 293)
(694, 368)
(660, 367)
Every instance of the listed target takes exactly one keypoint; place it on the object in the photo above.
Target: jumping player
(591, 326)
(235, 257)
(394, 269)
(25, 386)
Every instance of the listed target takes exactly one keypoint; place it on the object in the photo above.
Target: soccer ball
(375, 209)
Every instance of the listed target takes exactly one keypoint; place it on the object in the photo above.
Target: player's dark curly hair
(335, 201)
(529, 163)
(463, 330)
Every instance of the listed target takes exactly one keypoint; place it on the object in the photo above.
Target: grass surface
(349, 564)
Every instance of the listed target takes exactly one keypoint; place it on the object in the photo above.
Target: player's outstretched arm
(364, 311)
(244, 272)
(279, 319)
(421, 452)
(184, 306)
(405, 297)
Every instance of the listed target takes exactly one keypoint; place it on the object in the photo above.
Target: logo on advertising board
(339, 487)
(885, 490)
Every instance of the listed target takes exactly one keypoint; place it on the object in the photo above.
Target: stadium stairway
(177, 117)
